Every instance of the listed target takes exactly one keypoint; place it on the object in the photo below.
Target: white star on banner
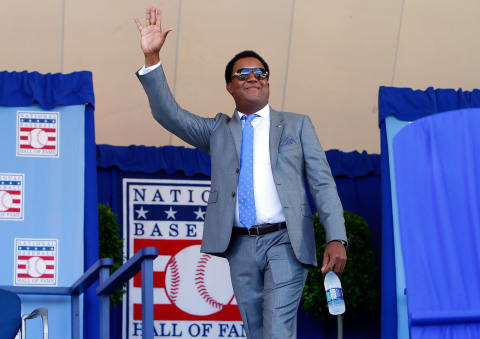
(200, 214)
(141, 213)
(171, 213)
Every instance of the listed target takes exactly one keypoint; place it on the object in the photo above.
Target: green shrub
(111, 245)
(358, 279)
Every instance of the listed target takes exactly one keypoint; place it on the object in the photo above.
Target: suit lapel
(276, 129)
(235, 126)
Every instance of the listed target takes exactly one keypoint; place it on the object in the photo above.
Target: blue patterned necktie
(246, 198)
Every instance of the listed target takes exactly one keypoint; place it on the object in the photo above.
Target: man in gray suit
(258, 215)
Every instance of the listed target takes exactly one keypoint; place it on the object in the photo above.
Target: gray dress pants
(268, 281)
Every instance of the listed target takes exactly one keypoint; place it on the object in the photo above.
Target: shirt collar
(264, 112)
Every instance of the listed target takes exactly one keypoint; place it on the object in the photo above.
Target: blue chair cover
(437, 164)
(10, 316)
(408, 105)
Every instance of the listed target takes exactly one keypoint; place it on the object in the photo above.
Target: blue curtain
(407, 105)
(49, 91)
(438, 190)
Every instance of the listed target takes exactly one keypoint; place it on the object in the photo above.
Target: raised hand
(152, 35)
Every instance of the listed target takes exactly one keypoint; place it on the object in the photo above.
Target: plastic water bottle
(333, 289)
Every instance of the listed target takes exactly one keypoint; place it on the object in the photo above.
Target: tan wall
(327, 58)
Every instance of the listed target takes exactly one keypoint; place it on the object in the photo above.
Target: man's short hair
(241, 55)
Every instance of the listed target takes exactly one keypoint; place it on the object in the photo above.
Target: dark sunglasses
(243, 73)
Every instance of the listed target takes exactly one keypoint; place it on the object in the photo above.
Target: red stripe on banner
(13, 210)
(21, 266)
(29, 129)
(44, 257)
(172, 312)
(52, 138)
(24, 137)
(49, 267)
(165, 247)
(158, 280)
(24, 275)
(13, 192)
(44, 147)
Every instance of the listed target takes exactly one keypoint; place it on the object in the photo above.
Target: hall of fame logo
(11, 196)
(37, 134)
(36, 261)
(193, 294)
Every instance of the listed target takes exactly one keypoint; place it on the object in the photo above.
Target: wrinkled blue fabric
(48, 90)
(171, 159)
(408, 105)
(437, 166)
(150, 159)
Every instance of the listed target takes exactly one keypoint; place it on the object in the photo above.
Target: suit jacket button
(233, 194)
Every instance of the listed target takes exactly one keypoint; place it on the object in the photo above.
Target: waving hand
(152, 35)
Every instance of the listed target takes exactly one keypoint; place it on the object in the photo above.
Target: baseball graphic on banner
(38, 138)
(198, 283)
(36, 267)
(38, 134)
(5, 201)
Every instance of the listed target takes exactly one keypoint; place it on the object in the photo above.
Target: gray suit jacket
(295, 155)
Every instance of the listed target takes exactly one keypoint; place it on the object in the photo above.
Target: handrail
(142, 260)
(90, 276)
(126, 271)
(39, 312)
(101, 267)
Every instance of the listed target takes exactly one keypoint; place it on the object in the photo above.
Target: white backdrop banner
(193, 295)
